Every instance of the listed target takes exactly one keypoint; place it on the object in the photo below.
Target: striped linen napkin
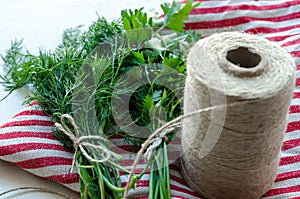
(26, 140)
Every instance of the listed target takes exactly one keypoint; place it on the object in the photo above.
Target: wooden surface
(40, 24)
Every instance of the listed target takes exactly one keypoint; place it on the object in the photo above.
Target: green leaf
(148, 102)
(172, 62)
(176, 63)
(140, 57)
(181, 69)
(126, 24)
(138, 35)
(137, 25)
(156, 96)
(164, 96)
(174, 16)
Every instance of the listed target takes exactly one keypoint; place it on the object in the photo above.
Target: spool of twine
(234, 152)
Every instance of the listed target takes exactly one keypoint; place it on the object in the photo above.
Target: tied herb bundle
(90, 76)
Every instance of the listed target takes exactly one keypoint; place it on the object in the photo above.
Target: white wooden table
(40, 24)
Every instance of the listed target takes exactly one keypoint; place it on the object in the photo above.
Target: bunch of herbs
(59, 77)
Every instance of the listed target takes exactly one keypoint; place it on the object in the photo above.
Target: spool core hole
(242, 57)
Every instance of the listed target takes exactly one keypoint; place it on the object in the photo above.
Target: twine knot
(156, 141)
(82, 142)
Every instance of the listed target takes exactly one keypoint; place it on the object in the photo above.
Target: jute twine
(82, 142)
(243, 158)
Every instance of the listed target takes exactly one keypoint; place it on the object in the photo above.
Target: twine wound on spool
(241, 160)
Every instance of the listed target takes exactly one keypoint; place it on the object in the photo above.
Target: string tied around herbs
(156, 141)
(80, 142)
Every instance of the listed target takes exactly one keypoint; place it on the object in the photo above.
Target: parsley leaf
(174, 15)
